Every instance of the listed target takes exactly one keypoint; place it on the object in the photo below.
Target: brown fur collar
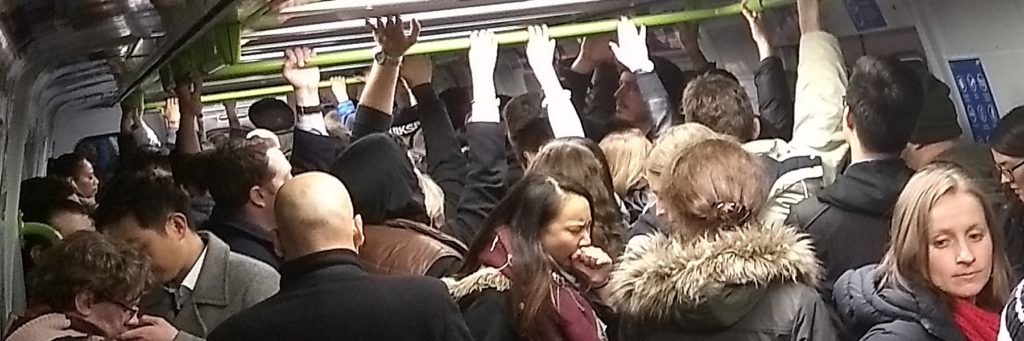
(662, 275)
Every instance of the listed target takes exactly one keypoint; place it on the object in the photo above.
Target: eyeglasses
(133, 310)
(1008, 172)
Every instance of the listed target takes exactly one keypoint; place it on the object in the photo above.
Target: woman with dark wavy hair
(582, 161)
(86, 288)
(525, 276)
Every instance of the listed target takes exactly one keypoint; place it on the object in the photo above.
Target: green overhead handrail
(251, 93)
(516, 37)
(456, 44)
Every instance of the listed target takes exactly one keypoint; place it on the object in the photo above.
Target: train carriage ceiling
(114, 47)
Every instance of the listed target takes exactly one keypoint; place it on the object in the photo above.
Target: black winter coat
(889, 314)
(329, 296)
(850, 221)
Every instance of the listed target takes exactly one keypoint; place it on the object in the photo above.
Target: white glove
(483, 55)
(631, 50)
(540, 51)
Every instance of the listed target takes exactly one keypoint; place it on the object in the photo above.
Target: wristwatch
(384, 59)
(311, 110)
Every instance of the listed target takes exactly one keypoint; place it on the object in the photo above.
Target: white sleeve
(312, 123)
(562, 116)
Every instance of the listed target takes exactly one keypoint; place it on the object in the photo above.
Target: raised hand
(631, 50)
(389, 33)
(339, 86)
(416, 70)
(171, 113)
(540, 50)
(189, 98)
(594, 51)
(483, 56)
(297, 70)
(758, 31)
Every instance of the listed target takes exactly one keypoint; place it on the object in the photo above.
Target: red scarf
(576, 320)
(977, 324)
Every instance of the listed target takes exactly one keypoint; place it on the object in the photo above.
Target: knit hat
(938, 119)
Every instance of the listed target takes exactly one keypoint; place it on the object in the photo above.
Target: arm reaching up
(690, 37)
(191, 112)
(632, 52)
(445, 162)
(540, 51)
(483, 56)
(774, 98)
(486, 140)
(306, 81)
(379, 94)
(820, 87)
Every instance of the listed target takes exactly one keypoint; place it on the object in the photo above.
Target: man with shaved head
(326, 294)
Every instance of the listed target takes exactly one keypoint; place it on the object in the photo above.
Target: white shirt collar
(193, 275)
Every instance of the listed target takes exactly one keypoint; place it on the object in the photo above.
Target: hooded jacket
(752, 283)
(850, 221)
(381, 181)
(878, 313)
(386, 193)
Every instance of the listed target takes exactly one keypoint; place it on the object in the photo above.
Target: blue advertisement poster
(865, 14)
(976, 94)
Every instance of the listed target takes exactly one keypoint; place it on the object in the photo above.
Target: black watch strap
(311, 110)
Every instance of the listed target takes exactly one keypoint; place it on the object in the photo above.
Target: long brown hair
(530, 207)
(582, 161)
(906, 262)
(715, 186)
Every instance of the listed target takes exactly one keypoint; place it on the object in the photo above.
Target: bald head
(314, 213)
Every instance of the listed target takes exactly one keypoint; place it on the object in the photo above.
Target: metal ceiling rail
(448, 45)
(456, 44)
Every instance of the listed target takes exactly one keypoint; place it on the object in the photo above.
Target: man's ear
(757, 128)
(177, 225)
(848, 119)
(257, 197)
(358, 238)
(84, 302)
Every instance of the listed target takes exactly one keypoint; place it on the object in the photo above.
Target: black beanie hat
(938, 119)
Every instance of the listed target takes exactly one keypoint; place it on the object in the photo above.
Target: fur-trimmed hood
(711, 281)
(483, 279)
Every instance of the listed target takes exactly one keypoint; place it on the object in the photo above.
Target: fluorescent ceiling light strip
(423, 16)
(338, 5)
(356, 46)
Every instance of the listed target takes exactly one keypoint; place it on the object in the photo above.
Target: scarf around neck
(575, 318)
(976, 323)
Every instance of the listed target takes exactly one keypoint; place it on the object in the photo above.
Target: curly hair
(89, 262)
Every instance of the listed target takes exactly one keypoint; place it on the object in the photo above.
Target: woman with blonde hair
(945, 275)
(627, 155)
(666, 147)
(718, 273)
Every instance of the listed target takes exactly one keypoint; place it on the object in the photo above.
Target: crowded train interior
(503, 170)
